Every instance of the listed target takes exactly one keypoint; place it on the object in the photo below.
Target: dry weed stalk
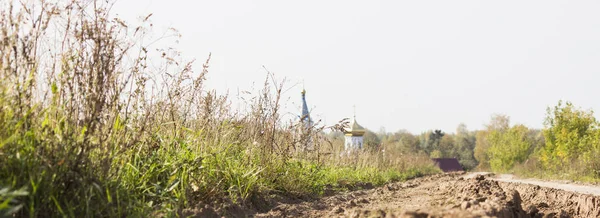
(84, 118)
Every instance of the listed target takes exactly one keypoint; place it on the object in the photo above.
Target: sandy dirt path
(584, 189)
(454, 195)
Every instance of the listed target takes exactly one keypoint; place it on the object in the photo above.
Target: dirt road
(585, 189)
(453, 195)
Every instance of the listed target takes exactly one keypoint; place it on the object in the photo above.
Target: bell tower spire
(306, 122)
(305, 116)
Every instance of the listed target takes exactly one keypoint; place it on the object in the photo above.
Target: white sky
(414, 65)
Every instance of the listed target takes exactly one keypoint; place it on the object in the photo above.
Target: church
(353, 134)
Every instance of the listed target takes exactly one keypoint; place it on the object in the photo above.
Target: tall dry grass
(96, 121)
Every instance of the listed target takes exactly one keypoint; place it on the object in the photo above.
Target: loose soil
(448, 195)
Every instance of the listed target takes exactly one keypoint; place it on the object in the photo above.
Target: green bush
(572, 143)
(509, 147)
(569, 134)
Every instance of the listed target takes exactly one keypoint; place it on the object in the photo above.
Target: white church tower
(354, 136)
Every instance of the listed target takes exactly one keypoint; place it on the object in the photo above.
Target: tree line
(567, 146)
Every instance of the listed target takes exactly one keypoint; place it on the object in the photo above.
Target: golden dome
(355, 129)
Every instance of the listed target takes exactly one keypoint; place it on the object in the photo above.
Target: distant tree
(371, 141)
(538, 140)
(481, 147)
(436, 154)
(402, 141)
(430, 140)
(424, 142)
(461, 130)
(498, 122)
(466, 159)
(509, 147)
(464, 145)
(408, 142)
(335, 135)
(571, 135)
(437, 134)
(447, 146)
(382, 134)
(435, 138)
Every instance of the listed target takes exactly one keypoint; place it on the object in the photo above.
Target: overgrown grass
(574, 172)
(88, 129)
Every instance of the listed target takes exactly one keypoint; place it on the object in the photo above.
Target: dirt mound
(447, 195)
(482, 197)
(557, 203)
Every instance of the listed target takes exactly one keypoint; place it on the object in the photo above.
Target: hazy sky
(413, 65)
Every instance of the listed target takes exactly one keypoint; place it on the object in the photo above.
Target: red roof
(448, 164)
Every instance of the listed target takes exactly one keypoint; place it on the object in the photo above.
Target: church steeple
(306, 125)
(305, 116)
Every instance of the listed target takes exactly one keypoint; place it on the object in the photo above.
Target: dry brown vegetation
(96, 121)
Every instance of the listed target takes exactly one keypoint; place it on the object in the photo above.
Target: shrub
(509, 147)
(570, 134)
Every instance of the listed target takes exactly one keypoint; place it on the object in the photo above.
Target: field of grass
(96, 122)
